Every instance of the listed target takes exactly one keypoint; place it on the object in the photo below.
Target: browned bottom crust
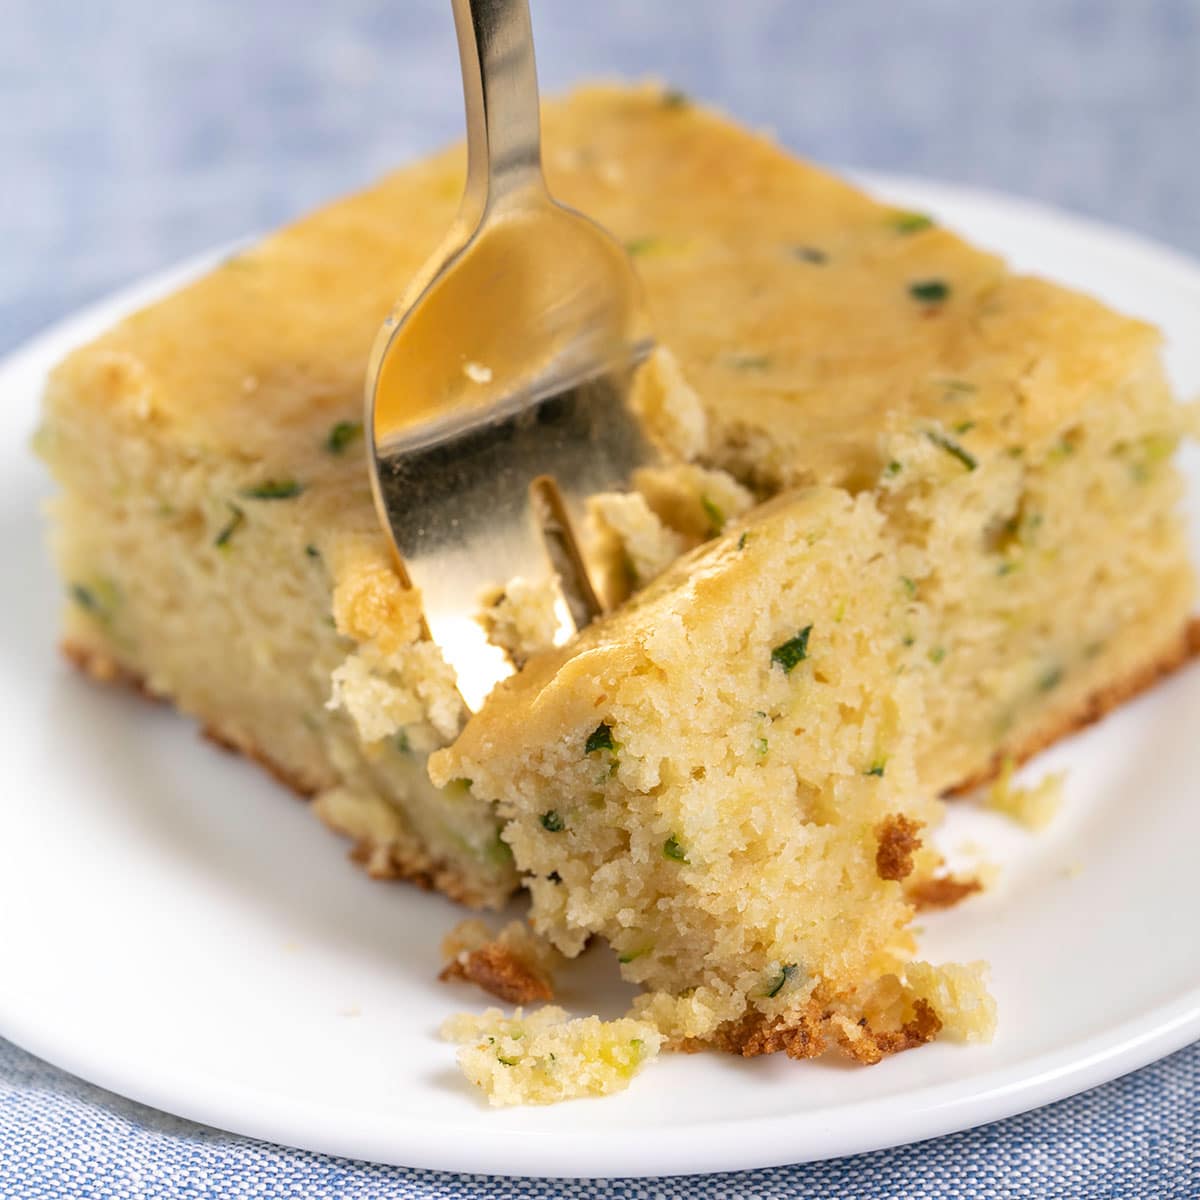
(290, 779)
(395, 861)
(1099, 704)
(814, 1030)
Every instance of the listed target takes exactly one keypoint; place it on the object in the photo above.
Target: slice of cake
(720, 781)
(973, 547)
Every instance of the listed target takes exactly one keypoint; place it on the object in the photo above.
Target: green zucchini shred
(642, 245)
(810, 254)
(951, 447)
(911, 222)
(716, 518)
(237, 518)
(674, 851)
(85, 598)
(274, 489)
(749, 362)
(600, 738)
(1050, 679)
(795, 650)
(342, 434)
(929, 291)
(786, 972)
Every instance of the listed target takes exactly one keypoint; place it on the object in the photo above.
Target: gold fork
(498, 391)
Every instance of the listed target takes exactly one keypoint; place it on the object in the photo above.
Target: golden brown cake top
(806, 316)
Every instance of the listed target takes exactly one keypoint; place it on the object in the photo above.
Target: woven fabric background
(1137, 1137)
(136, 132)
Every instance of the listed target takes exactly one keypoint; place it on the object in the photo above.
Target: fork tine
(466, 519)
(603, 447)
(472, 529)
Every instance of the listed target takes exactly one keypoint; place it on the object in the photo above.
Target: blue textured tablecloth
(136, 132)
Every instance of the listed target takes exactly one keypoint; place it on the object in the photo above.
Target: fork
(497, 398)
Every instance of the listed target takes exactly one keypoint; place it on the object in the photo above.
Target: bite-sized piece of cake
(546, 1056)
(1010, 439)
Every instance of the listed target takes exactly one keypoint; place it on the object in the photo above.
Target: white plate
(177, 928)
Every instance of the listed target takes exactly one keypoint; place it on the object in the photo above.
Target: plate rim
(945, 1108)
(931, 1110)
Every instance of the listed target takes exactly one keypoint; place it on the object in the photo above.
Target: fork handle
(495, 44)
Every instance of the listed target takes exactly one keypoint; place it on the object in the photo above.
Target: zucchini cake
(920, 520)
